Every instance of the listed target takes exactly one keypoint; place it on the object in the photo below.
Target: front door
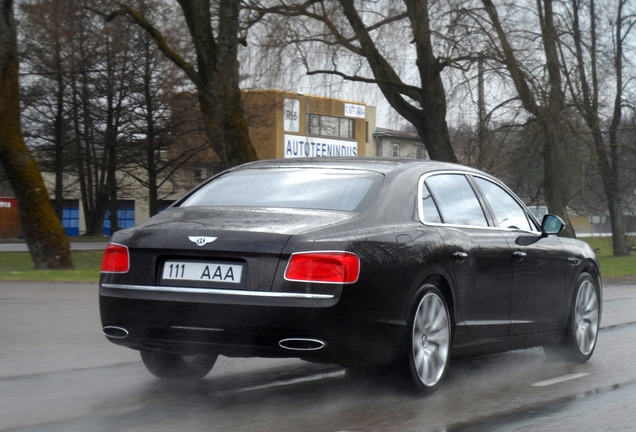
(538, 284)
(538, 264)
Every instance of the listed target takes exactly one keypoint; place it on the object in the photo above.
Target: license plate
(202, 272)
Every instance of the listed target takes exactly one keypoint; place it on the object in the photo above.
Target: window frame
(480, 197)
(511, 194)
(351, 122)
(396, 150)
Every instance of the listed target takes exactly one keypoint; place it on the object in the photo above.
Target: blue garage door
(125, 216)
(70, 216)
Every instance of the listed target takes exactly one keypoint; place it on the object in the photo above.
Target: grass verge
(611, 266)
(17, 266)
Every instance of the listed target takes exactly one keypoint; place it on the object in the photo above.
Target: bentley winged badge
(201, 241)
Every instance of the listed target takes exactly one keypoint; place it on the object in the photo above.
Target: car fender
(433, 273)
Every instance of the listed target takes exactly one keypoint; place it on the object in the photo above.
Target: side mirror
(552, 224)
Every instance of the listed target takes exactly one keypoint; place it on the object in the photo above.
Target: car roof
(383, 165)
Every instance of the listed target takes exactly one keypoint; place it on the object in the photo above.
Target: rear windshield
(307, 188)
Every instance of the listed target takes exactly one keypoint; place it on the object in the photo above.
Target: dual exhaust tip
(115, 332)
(302, 344)
(292, 344)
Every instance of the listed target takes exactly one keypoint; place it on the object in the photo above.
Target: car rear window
(307, 188)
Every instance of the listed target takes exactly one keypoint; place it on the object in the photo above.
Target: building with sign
(285, 124)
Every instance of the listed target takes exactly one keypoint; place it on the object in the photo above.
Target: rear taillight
(323, 267)
(116, 259)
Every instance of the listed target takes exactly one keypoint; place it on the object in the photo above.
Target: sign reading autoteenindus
(298, 147)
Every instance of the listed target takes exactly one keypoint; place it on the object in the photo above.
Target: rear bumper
(247, 324)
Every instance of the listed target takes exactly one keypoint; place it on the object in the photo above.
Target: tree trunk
(59, 135)
(552, 170)
(218, 84)
(44, 234)
(151, 143)
(552, 119)
(588, 106)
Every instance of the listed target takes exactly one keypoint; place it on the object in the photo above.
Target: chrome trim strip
(219, 291)
(197, 328)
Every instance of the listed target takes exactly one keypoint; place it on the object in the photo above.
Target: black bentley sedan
(356, 261)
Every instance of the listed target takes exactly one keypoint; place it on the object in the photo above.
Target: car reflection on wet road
(57, 373)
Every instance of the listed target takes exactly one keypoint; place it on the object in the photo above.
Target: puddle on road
(544, 416)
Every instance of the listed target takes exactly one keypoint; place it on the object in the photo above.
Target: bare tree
(164, 116)
(586, 79)
(45, 237)
(43, 41)
(549, 109)
(360, 28)
(164, 121)
(100, 105)
(215, 35)
(99, 83)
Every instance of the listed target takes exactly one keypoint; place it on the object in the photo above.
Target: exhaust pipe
(302, 344)
(115, 332)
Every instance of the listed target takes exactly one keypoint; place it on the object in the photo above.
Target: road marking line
(291, 381)
(559, 380)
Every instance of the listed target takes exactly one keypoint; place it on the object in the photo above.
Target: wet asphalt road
(58, 373)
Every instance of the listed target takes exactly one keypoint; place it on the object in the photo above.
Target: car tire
(427, 348)
(583, 324)
(175, 366)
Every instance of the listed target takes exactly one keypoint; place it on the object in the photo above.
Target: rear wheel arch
(442, 283)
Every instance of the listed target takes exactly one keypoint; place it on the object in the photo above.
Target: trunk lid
(217, 242)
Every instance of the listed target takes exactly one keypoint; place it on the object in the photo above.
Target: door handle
(575, 261)
(519, 255)
(460, 256)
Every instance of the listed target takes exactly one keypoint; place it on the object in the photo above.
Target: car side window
(430, 212)
(507, 211)
(456, 200)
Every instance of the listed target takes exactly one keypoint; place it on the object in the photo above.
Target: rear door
(479, 254)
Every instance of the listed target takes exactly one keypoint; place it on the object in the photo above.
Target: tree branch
(162, 44)
(402, 88)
